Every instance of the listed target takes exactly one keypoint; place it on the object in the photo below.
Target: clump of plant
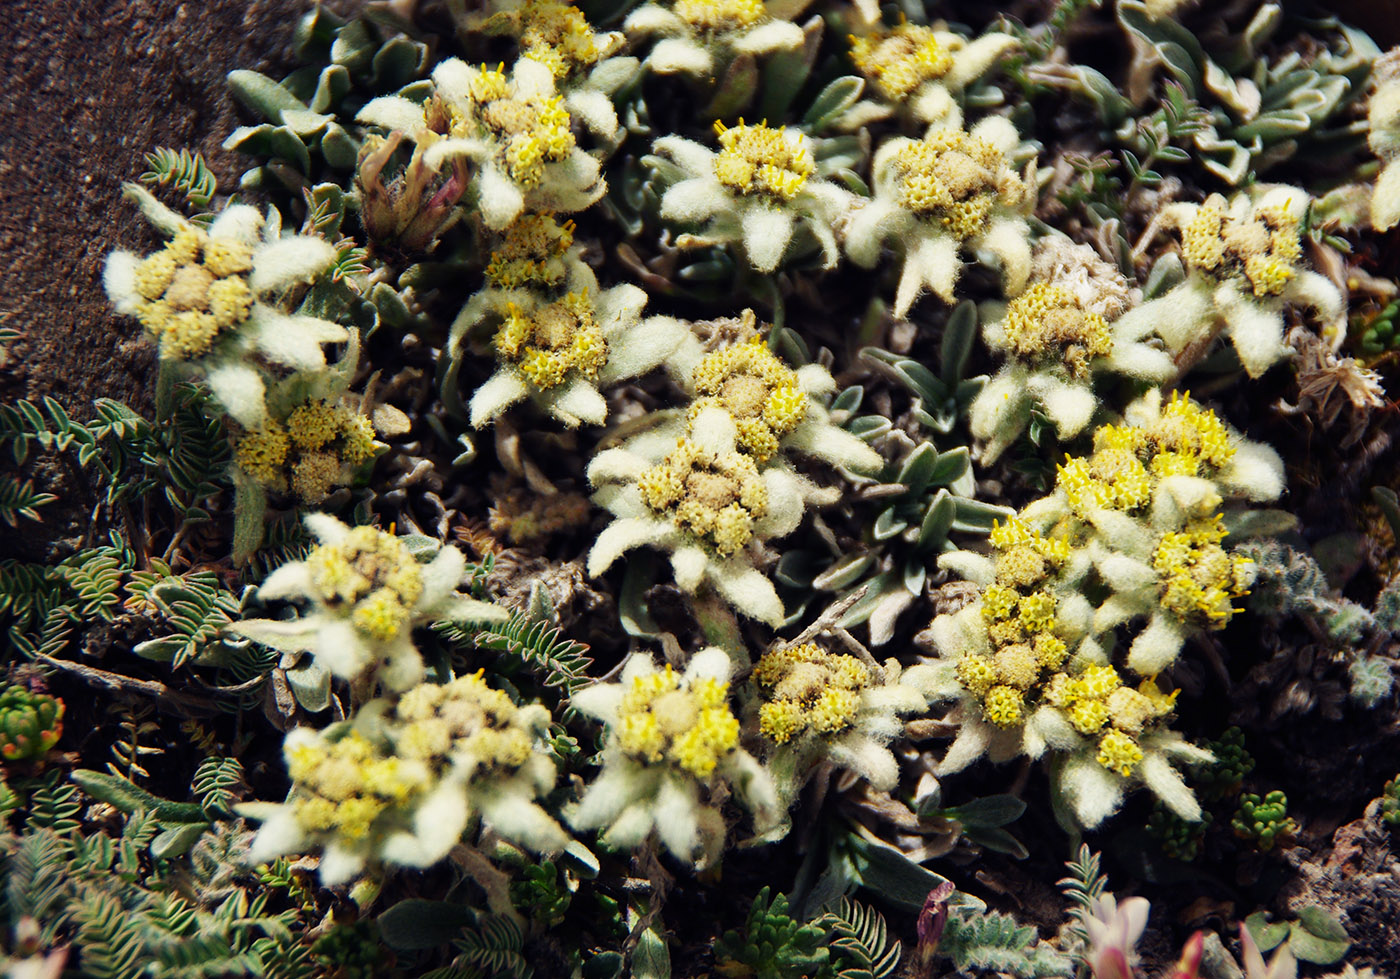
(215, 300)
(367, 591)
(30, 723)
(1263, 821)
(402, 780)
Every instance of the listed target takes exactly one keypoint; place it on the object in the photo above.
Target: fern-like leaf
(860, 941)
(186, 172)
(218, 783)
(494, 948)
(109, 938)
(558, 660)
(21, 499)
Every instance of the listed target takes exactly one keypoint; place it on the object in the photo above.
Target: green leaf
(1267, 936)
(651, 959)
(958, 337)
(129, 797)
(1323, 924)
(918, 468)
(938, 519)
(988, 811)
(178, 840)
(838, 96)
(1319, 951)
(262, 95)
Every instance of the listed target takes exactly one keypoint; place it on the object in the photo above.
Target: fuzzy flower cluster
(315, 449)
(1054, 345)
(761, 393)
(920, 69)
(1244, 265)
(368, 591)
(672, 749)
(936, 195)
(555, 34)
(212, 300)
(810, 691)
(715, 484)
(818, 705)
(1139, 520)
(401, 783)
(193, 289)
(514, 126)
(1383, 120)
(702, 37)
(557, 337)
(756, 191)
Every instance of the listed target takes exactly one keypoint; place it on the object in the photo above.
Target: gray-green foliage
(1290, 582)
(976, 938)
(1316, 936)
(1255, 110)
(917, 501)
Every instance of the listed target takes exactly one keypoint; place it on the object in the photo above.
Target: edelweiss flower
(753, 191)
(560, 352)
(921, 69)
(701, 37)
(1054, 347)
(1030, 678)
(1244, 265)
(818, 704)
(672, 742)
(774, 406)
(209, 299)
(367, 592)
(402, 781)
(514, 127)
(935, 195)
(705, 502)
(1151, 491)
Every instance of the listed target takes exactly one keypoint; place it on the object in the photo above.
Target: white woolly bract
(299, 258)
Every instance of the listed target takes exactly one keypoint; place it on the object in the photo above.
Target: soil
(91, 87)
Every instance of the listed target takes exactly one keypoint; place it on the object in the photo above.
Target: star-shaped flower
(210, 299)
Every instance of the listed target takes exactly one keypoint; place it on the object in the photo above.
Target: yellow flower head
(1198, 579)
(665, 718)
(720, 16)
(1004, 706)
(758, 391)
(555, 34)
(717, 498)
(344, 786)
(464, 719)
(193, 290)
(1045, 323)
(761, 160)
(371, 577)
(529, 131)
(1263, 247)
(261, 454)
(955, 179)
(553, 340)
(808, 689)
(899, 60)
(1128, 460)
(1119, 753)
(531, 252)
